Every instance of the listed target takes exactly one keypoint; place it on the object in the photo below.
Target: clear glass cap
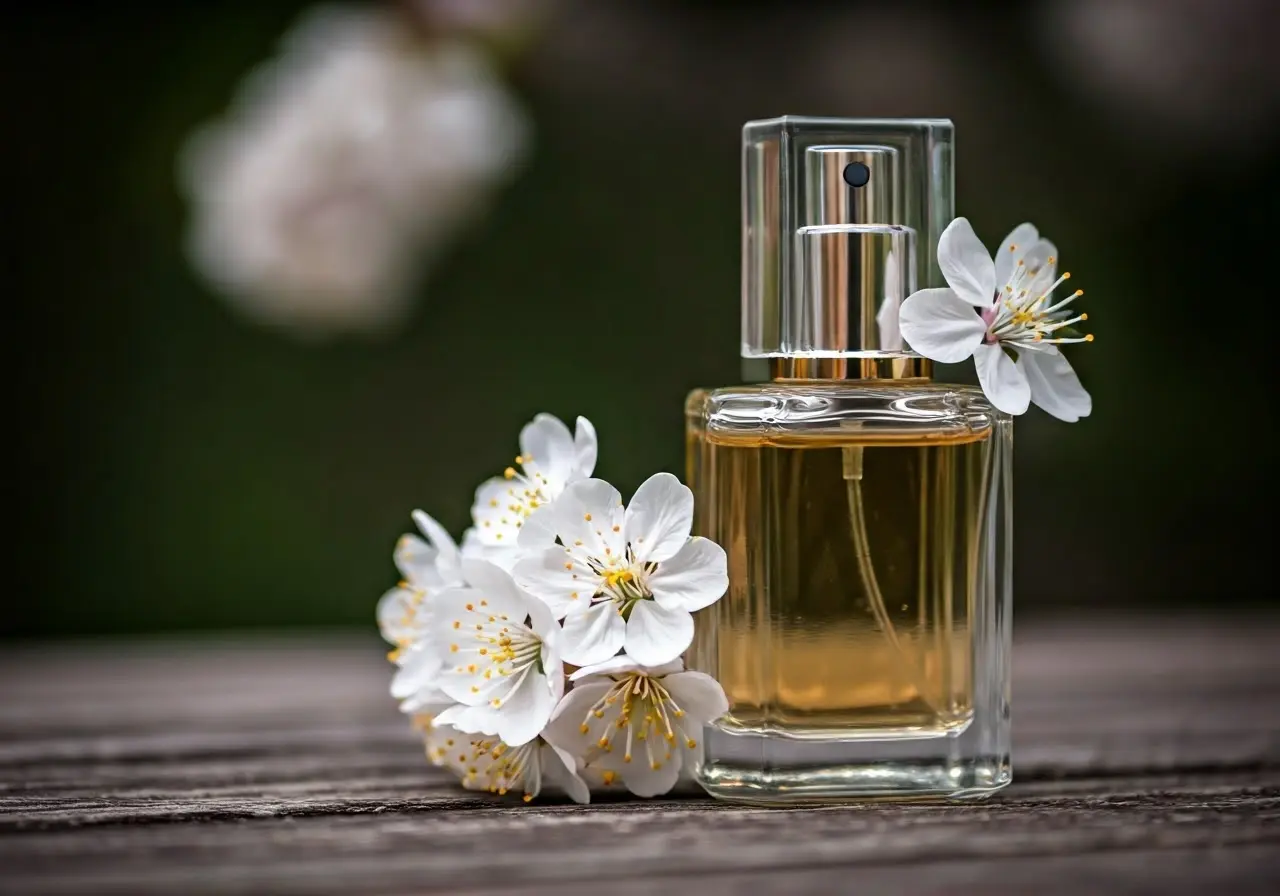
(841, 219)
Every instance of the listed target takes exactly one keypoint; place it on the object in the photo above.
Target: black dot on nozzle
(856, 174)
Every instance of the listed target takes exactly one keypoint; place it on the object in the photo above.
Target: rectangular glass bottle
(864, 641)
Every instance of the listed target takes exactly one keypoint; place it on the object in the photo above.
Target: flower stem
(852, 469)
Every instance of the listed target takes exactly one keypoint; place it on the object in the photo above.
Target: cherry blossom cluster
(545, 649)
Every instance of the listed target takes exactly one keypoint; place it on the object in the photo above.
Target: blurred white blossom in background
(342, 169)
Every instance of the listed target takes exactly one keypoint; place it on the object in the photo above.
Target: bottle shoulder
(853, 411)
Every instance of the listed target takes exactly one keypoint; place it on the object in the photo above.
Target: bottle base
(776, 770)
(906, 781)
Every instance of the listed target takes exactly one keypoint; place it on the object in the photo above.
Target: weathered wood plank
(1147, 757)
(489, 847)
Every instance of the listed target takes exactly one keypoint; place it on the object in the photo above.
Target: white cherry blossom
(426, 565)
(622, 577)
(550, 459)
(636, 725)
(1002, 312)
(486, 763)
(501, 657)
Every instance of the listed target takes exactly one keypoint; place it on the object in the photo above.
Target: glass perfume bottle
(864, 641)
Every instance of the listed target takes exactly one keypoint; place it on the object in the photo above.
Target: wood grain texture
(1147, 760)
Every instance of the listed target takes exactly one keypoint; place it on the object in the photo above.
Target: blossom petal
(656, 634)
(419, 670)
(560, 770)
(1054, 385)
(416, 561)
(1005, 384)
(544, 626)
(585, 447)
(699, 695)
(940, 325)
(466, 685)
(526, 710)
(543, 623)
(428, 701)
(491, 584)
(1041, 272)
(447, 556)
(547, 447)
(495, 521)
(593, 636)
(644, 780)
(659, 518)
(481, 719)
(624, 663)
(696, 577)
(558, 579)
(539, 529)
(588, 517)
(1014, 247)
(502, 554)
(966, 264)
(401, 614)
(565, 728)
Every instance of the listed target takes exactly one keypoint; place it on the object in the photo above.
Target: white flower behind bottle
(1002, 312)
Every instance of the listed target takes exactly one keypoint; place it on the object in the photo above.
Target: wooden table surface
(1146, 756)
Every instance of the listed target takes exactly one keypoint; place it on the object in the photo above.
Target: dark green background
(178, 468)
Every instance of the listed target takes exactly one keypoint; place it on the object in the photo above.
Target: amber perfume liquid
(855, 642)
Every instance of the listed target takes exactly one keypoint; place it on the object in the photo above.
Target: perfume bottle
(864, 641)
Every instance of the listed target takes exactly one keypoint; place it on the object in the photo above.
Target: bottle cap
(841, 219)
